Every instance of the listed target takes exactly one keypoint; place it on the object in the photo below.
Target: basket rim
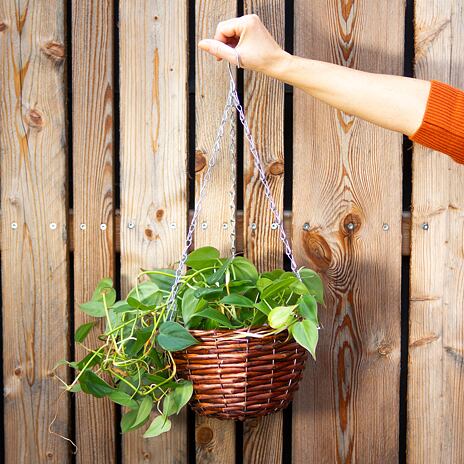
(261, 331)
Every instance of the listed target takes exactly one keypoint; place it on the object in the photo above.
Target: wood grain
(153, 74)
(215, 439)
(264, 107)
(436, 347)
(34, 255)
(346, 185)
(92, 125)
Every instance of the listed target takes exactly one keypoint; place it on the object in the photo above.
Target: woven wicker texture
(238, 376)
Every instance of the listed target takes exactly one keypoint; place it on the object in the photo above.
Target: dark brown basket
(241, 378)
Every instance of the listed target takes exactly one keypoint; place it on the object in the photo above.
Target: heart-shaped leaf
(83, 331)
(307, 335)
(93, 308)
(123, 399)
(313, 282)
(281, 316)
(173, 337)
(236, 299)
(177, 398)
(94, 385)
(202, 258)
(160, 424)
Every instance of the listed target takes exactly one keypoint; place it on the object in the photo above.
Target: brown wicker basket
(238, 376)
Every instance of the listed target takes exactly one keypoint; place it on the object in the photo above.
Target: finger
(218, 49)
(228, 29)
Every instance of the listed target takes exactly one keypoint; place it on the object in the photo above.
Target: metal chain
(171, 303)
(232, 101)
(262, 177)
(233, 179)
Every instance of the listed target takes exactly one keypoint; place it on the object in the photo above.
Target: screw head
(425, 226)
(14, 225)
(131, 225)
(306, 226)
(204, 225)
(274, 225)
(350, 226)
(82, 226)
(225, 225)
(53, 225)
(103, 226)
(253, 226)
(385, 227)
(172, 225)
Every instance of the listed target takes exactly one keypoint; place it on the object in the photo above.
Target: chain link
(233, 101)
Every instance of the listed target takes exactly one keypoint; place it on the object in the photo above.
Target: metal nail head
(53, 225)
(14, 225)
(306, 226)
(172, 225)
(82, 226)
(350, 226)
(131, 225)
(253, 226)
(385, 227)
(204, 225)
(274, 225)
(425, 226)
(225, 225)
(103, 226)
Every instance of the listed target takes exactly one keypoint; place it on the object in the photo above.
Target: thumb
(218, 49)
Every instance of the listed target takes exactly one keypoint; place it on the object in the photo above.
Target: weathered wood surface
(264, 108)
(347, 184)
(215, 439)
(92, 125)
(153, 76)
(34, 254)
(436, 368)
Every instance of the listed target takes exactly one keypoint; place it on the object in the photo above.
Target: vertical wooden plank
(92, 124)
(436, 368)
(34, 254)
(153, 63)
(215, 439)
(264, 107)
(347, 184)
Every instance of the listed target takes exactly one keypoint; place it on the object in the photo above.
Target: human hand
(256, 47)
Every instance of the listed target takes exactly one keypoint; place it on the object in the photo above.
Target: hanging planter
(229, 339)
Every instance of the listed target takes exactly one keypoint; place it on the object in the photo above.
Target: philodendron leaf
(177, 398)
(219, 274)
(143, 412)
(93, 308)
(163, 281)
(122, 307)
(173, 337)
(145, 295)
(94, 385)
(123, 399)
(237, 300)
(307, 308)
(307, 335)
(202, 257)
(128, 421)
(83, 331)
(208, 292)
(160, 424)
(214, 315)
(314, 284)
(189, 303)
(105, 286)
(243, 269)
(281, 316)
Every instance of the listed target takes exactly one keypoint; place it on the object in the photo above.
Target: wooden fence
(98, 125)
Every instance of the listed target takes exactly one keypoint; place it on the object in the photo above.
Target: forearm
(393, 102)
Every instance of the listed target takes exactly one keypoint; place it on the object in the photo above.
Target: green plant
(134, 366)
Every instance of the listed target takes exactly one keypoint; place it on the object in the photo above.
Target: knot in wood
(49, 455)
(18, 371)
(317, 249)
(55, 50)
(34, 119)
(200, 161)
(149, 233)
(159, 214)
(384, 349)
(204, 435)
(3, 26)
(276, 168)
(352, 223)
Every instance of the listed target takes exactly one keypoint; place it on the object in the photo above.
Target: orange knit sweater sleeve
(442, 127)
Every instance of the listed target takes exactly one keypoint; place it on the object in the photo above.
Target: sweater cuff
(442, 127)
